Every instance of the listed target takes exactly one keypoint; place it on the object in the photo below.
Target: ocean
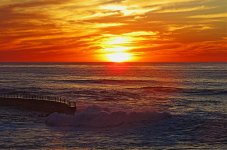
(120, 106)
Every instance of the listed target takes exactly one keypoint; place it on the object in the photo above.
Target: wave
(105, 81)
(97, 117)
(205, 91)
(195, 91)
(162, 89)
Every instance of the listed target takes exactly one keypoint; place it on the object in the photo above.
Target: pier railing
(39, 98)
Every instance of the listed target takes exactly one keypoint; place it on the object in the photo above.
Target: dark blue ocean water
(163, 105)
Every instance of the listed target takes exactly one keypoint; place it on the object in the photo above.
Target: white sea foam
(95, 116)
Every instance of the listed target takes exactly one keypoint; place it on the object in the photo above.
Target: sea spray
(95, 116)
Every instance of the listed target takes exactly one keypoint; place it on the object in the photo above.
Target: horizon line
(111, 62)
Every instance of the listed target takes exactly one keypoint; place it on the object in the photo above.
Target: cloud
(75, 30)
(207, 16)
(178, 10)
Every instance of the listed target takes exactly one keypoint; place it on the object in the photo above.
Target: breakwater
(48, 104)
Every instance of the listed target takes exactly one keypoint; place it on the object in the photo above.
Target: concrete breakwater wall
(38, 103)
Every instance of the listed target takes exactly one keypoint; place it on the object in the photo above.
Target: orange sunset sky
(106, 30)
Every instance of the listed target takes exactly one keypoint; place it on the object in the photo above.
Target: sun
(119, 57)
(117, 48)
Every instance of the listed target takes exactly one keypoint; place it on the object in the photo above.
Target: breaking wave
(97, 117)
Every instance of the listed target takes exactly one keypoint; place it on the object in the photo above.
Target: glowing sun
(119, 57)
(117, 48)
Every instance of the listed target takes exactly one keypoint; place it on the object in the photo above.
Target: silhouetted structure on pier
(38, 103)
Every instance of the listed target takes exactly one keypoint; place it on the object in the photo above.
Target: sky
(113, 30)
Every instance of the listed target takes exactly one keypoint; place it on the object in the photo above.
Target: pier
(47, 104)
